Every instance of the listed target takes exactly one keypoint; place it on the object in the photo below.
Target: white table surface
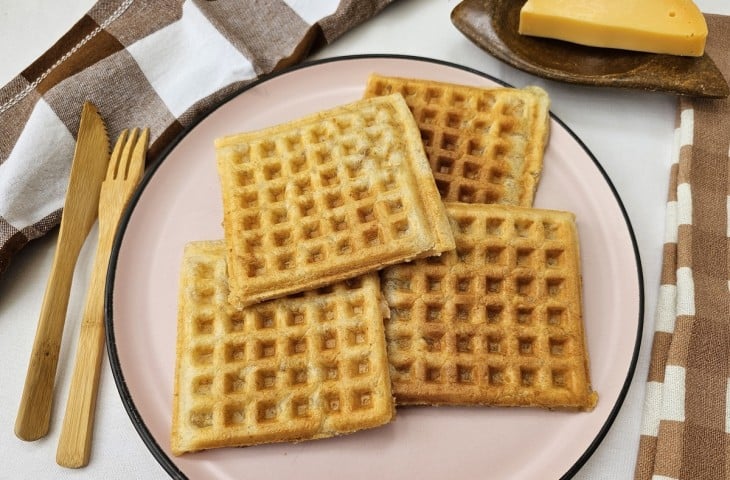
(629, 132)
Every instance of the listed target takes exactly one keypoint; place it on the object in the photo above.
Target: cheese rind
(675, 27)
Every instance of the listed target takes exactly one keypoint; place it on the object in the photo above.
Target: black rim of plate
(162, 458)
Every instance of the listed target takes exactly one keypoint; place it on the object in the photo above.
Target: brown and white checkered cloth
(685, 431)
(160, 64)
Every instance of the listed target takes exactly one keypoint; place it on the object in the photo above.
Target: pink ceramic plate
(180, 201)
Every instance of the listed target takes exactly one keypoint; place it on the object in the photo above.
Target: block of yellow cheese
(675, 27)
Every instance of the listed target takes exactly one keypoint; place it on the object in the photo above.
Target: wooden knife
(80, 210)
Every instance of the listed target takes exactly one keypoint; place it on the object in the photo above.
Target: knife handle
(34, 412)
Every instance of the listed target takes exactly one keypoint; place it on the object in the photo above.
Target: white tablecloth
(629, 132)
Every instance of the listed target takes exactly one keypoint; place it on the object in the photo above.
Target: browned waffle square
(295, 368)
(327, 197)
(485, 145)
(498, 321)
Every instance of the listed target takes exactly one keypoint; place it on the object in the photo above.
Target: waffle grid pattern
(322, 196)
(498, 321)
(302, 367)
(484, 145)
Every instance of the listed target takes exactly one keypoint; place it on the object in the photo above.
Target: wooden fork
(124, 172)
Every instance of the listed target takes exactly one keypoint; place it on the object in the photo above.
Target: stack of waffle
(382, 252)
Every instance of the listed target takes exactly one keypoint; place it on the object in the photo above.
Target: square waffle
(296, 368)
(485, 145)
(327, 197)
(498, 321)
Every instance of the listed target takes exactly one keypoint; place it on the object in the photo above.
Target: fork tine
(127, 154)
(116, 155)
(137, 162)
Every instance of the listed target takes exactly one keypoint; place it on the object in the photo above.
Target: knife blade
(80, 209)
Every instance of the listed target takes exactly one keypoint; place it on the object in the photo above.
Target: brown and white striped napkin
(685, 431)
(160, 64)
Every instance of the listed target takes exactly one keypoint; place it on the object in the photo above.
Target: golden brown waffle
(296, 368)
(496, 322)
(485, 145)
(327, 197)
